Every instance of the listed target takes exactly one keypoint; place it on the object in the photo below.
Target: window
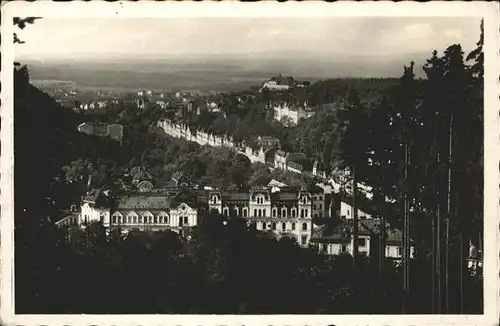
(314, 206)
(274, 225)
(263, 225)
(306, 212)
(264, 212)
(320, 207)
(186, 221)
(283, 226)
(293, 226)
(304, 226)
(260, 212)
(156, 219)
(283, 212)
(343, 248)
(320, 198)
(304, 240)
(362, 242)
(140, 219)
(150, 219)
(135, 219)
(348, 212)
(166, 219)
(114, 219)
(130, 219)
(244, 212)
(293, 212)
(274, 212)
(301, 213)
(254, 212)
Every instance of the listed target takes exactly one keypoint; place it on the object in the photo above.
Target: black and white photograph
(280, 163)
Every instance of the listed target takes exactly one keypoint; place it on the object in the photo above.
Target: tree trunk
(354, 218)
(438, 244)
(438, 261)
(448, 218)
(406, 256)
(382, 238)
(433, 281)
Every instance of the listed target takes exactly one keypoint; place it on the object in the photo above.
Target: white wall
(182, 211)
(346, 211)
(91, 214)
(393, 251)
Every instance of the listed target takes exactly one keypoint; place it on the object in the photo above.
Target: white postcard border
(490, 12)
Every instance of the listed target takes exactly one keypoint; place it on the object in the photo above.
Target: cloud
(176, 36)
(419, 30)
(454, 33)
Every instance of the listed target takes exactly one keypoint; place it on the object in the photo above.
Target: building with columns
(286, 212)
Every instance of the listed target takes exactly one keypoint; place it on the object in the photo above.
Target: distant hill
(220, 73)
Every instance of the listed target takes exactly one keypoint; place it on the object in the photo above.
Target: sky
(115, 38)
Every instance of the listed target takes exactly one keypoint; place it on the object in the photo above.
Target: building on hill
(142, 180)
(475, 259)
(318, 169)
(113, 131)
(337, 239)
(276, 183)
(268, 142)
(279, 83)
(288, 111)
(280, 159)
(319, 208)
(298, 163)
(181, 180)
(346, 212)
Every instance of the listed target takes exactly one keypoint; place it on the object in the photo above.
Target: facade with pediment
(287, 212)
(176, 206)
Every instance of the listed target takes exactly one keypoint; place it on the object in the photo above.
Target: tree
(354, 148)
(21, 23)
(287, 122)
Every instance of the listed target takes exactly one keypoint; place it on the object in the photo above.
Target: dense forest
(399, 144)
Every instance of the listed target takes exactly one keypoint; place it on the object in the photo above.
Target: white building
(294, 113)
(337, 239)
(346, 212)
(286, 212)
(141, 211)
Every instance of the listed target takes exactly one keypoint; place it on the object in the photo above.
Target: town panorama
(283, 182)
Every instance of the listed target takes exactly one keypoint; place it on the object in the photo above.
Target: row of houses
(102, 129)
(198, 136)
(266, 150)
(277, 208)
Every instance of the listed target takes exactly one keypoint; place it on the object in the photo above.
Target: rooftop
(142, 202)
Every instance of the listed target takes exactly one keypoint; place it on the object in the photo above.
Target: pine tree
(354, 154)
